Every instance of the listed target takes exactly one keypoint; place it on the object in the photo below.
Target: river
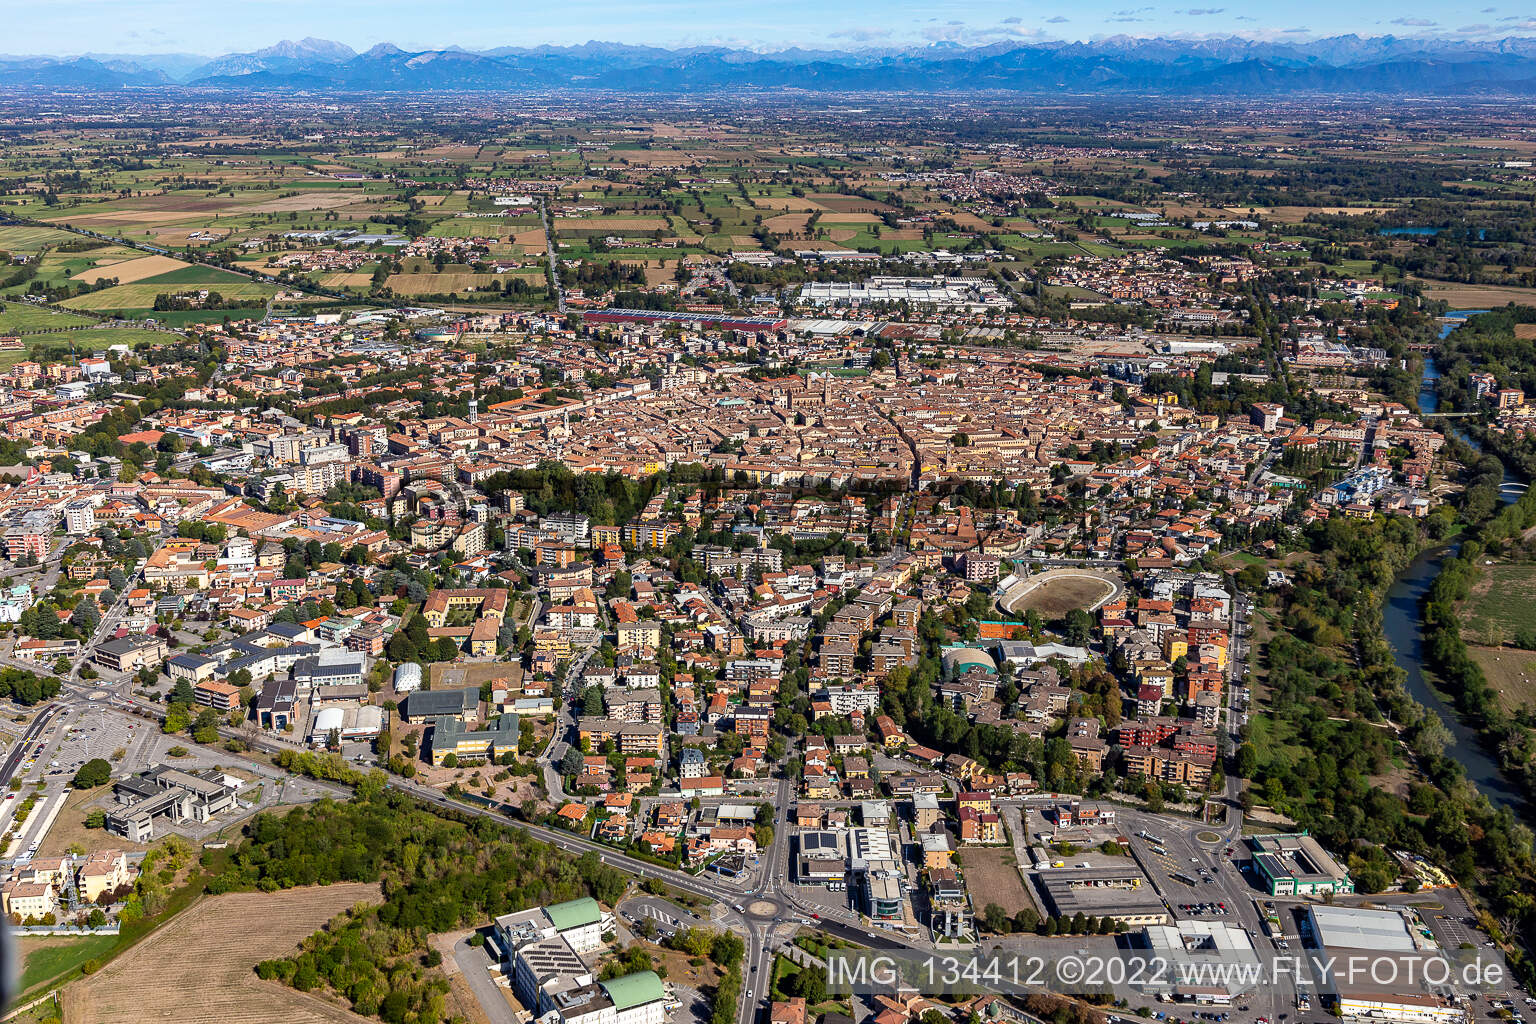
(1400, 623)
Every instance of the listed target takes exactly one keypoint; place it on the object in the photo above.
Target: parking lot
(130, 745)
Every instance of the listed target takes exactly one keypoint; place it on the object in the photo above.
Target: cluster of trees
(179, 301)
(439, 874)
(159, 870)
(996, 920)
(95, 772)
(41, 620)
(724, 948)
(179, 715)
(413, 644)
(27, 688)
(552, 487)
(328, 768)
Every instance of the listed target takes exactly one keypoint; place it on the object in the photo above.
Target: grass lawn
(48, 956)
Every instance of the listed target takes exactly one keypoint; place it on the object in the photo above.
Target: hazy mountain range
(1230, 66)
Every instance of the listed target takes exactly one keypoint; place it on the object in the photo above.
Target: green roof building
(633, 990)
(574, 914)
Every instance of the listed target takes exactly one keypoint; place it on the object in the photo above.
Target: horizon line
(1279, 38)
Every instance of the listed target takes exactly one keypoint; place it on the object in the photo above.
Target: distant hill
(1120, 65)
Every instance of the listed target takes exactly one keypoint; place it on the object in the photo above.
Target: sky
(65, 27)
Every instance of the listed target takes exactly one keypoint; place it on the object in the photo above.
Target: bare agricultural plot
(443, 284)
(311, 201)
(842, 204)
(1511, 672)
(1477, 296)
(786, 223)
(200, 969)
(129, 271)
(345, 280)
(612, 224)
(1297, 214)
(788, 203)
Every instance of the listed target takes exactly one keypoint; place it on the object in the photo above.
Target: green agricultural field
(1502, 604)
(22, 318)
(211, 277)
(90, 339)
(20, 238)
(471, 227)
(142, 296)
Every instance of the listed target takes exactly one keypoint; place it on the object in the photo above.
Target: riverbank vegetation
(1337, 721)
(1509, 735)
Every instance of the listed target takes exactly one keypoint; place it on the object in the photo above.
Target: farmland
(222, 972)
(20, 318)
(1511, 672)
(142, 296)
(129, 271)
(1502, 604)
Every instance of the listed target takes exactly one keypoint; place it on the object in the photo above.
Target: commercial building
(130, 653)
(1119, 893)
(350, 722)
(1297, 865)
(1375, 965)
(1198, 943)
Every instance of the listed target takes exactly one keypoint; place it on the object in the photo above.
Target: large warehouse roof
(1349, 928)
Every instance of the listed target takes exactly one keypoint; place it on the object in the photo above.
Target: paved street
(475, 965)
